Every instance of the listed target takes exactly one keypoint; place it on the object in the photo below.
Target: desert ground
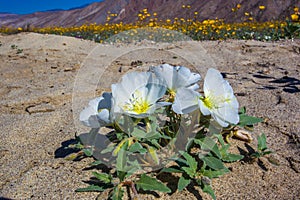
(46, 80)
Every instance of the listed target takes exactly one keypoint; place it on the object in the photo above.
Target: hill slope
(127, 11)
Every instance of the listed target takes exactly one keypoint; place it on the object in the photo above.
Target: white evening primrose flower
(186, 101)
(137, 94)
(97, 115)
(176, 77)
(219, 100)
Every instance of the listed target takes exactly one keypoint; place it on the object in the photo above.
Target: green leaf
(192, 163)
(153, 135)
(118, 193)
(121, 175)
(95, 163)
(150, 184)
(183, 183)
(120, 146)
(242, 110)
(88, 152)
(105, 178)
(153, 154)
(121, 159)
(73, 156)
(213, 162)
(229, 157)
(214, 174)
(132, 167)
(171, 170)
(246, 120)
(138, 133)
(208, 189)
(108, 149)
(262, 142)
(137, 147)
(91, 188)
(209, 144)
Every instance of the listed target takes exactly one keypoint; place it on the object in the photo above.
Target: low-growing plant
(262, 148)
(157, 123)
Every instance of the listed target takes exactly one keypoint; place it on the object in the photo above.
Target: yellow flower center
(172, 94)
(208, 102)
(213, 102)
(140, 107)
(137, 104)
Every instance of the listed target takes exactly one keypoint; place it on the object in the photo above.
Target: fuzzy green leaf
(150, 184)
(192, 163)
(213, 162)
(246, 120)
(208, 189)
(118, 193)
(171, 170)
(242, 110)
(121, 159)
(209, 144)
(105, 178)
(183, 183)
(138, 133)
(91, 188)
(95, 163)
(262, 142)
(229, 157)
(137, 147)
(108, 149)
(88, 152)
(214, 174)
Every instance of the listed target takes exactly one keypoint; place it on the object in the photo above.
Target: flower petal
(186, 101)
(97, 113)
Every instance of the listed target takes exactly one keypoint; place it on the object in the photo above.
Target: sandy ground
(50, 79)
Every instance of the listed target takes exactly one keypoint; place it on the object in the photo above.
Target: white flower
(186, 101)
(177, 77)
(219, 100)
(97, 115)
(137, 94)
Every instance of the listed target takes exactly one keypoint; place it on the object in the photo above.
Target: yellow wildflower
(295, 17)
(262, 7)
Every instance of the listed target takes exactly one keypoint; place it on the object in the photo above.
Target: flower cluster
(139, 94)
(160, 117)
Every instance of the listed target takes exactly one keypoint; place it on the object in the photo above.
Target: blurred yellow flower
(247, 14)
(295, 17)
(262, 7)
(296, 9)
(20, 29)
(238, 6)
